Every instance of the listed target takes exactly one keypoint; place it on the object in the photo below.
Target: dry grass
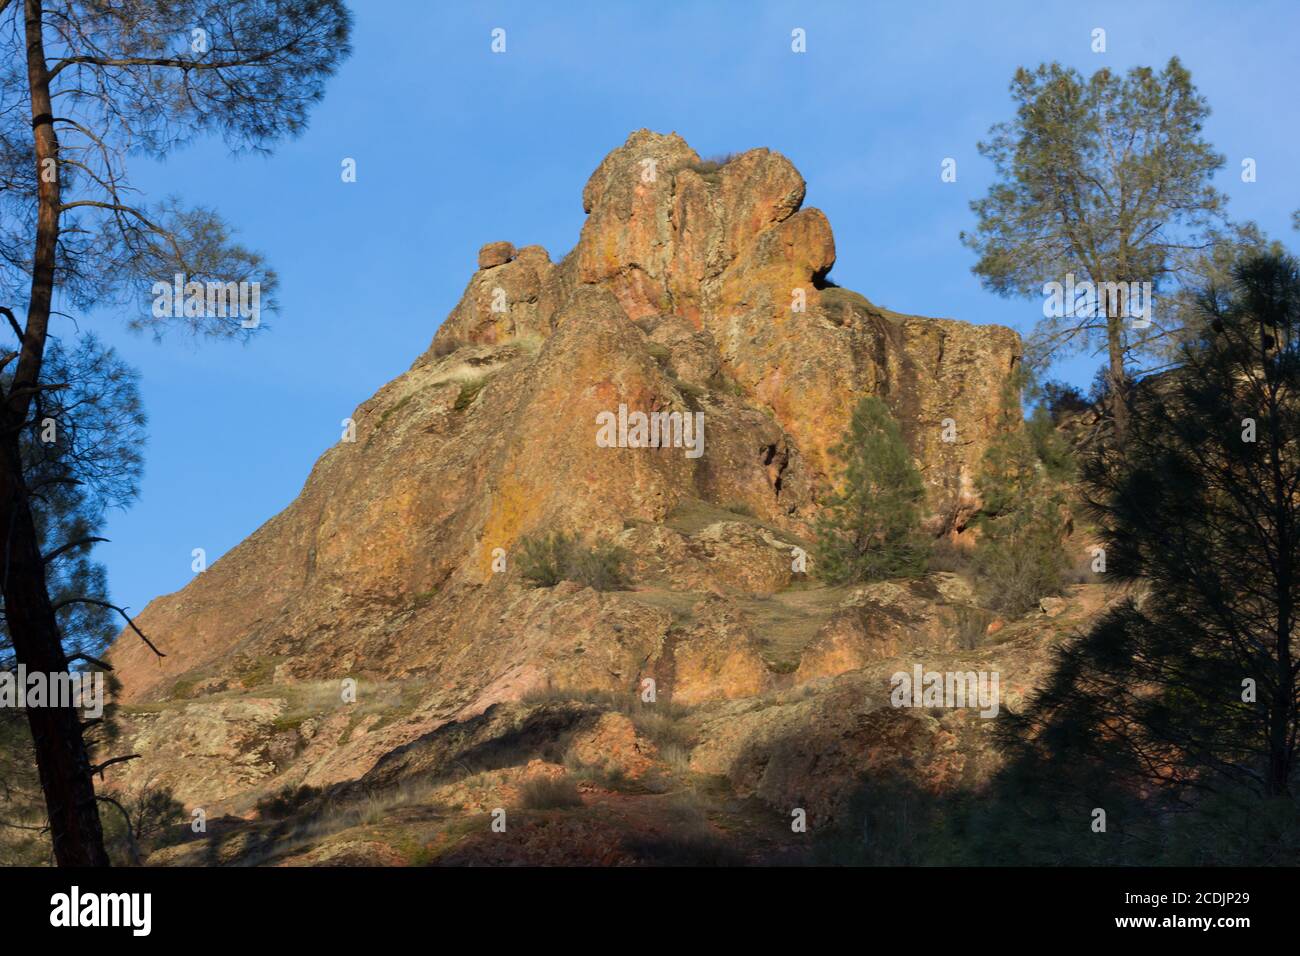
(687, 839)
(445, 345)
(972, 625)
(529, 343)
(550, 793)
(790, 619)
(460, 373)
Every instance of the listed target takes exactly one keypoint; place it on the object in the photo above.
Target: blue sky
(457, 146)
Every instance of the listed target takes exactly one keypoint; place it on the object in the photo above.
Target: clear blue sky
(457, 146)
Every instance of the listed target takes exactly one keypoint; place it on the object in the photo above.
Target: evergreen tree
(869, 528)
(1106, 179)
(84, 89)
(1020, 559)
(82, 457)
(1184, 696)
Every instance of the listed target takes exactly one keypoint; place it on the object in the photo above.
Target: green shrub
(1020, 558)
(660, 353)
(1050, 448)
(1010, 472)
(869, 528)
(468, 392)
(286, 802)
(599, 567)
(1063, 401)
(544, 560)
(547, 560)
(550, 793)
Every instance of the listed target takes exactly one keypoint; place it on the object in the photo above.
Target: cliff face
(695, 288)
(731, 266)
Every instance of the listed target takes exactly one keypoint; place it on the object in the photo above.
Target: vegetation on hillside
(1020, 556)
(869, 528)
(547, 559)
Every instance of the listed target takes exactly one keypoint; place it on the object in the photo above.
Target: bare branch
(13, 322)
(94, 660)
(111, 607)
(130, 833)
(174, 62)
(99, 768)
(80, 542)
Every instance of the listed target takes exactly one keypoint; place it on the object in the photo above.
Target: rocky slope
(695, 287)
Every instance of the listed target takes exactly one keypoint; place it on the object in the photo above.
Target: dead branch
(130, 831)
(99, 768)
(69, 546)
(112, 607)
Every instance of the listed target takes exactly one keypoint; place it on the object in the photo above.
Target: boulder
(495, 254)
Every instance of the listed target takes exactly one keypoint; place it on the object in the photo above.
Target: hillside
(698, 288)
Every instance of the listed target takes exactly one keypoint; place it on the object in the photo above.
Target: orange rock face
(495, 254)
(695, 288)
(613, 745)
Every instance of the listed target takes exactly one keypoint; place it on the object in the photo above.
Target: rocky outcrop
(697, 290)
(495, 254)
(613, 745)
(694, 288)
(593, 780)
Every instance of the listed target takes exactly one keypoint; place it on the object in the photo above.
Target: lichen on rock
(696, 287)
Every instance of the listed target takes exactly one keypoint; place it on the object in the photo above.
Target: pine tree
(1020, 559)
(86, 88)
(81, 457)
(1187, 694)
(1106, 179)
(869, 528)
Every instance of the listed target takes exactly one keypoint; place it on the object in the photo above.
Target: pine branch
(111, 607)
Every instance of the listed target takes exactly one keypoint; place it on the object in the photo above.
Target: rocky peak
(725, 247)
(696, 288)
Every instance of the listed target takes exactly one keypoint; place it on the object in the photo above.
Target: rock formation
(695, 288)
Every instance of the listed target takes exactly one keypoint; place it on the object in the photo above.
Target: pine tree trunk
(61, 755)
(60, 746)
(1115, 351)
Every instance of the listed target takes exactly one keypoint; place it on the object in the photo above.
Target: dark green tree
(85, 86)
(869, 527)
(1052, 450)
(1212, 266)
(1185, 694)
(82, 458)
